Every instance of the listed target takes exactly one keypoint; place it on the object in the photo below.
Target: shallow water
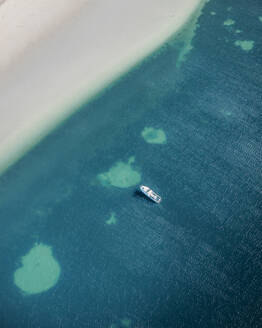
(192, 261)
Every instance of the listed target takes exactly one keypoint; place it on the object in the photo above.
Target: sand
(39, 270)
(57, 55)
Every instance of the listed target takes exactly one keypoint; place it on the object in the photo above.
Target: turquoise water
(105, 256)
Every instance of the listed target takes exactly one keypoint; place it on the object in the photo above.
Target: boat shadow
(139, 194)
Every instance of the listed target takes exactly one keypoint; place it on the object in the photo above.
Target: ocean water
(81, 247)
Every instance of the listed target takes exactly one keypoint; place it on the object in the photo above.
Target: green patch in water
(154, 136)
(182, 41)
(39, 271)
(121, 175)
(229, 22)
(112, 219)
(245, 45)
(126, 322)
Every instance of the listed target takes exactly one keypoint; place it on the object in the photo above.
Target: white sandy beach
(56, 54)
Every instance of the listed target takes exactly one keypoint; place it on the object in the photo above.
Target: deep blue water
(195, 260)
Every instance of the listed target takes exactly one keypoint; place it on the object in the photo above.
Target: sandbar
(59, 54)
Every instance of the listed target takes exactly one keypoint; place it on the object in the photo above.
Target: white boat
(150, 194)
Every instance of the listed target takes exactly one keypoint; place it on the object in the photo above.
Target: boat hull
(150, 194)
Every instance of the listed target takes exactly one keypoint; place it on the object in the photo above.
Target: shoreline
(65, 68)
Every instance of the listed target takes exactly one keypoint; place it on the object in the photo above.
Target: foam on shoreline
(82, 55)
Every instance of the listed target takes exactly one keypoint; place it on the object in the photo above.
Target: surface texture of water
(193, 261)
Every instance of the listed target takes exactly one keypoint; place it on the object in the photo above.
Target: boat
(150, 194)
